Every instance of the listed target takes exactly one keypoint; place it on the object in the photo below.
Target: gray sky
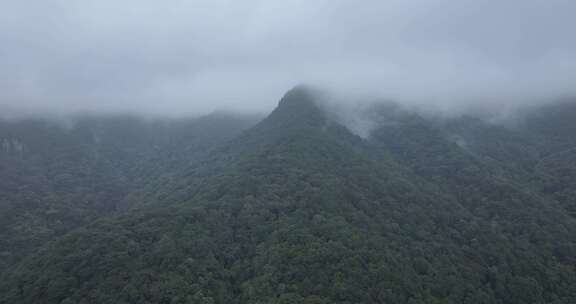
(190, 57)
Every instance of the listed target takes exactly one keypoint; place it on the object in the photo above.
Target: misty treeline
(60, 174)
(294, 209)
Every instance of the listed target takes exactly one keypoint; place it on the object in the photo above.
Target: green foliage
(299, 210)
(58, 176)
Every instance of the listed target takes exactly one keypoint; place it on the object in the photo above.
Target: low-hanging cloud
(189, 57)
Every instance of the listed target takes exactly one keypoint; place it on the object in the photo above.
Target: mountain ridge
(298, 209)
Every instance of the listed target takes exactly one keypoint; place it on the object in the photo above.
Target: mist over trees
(296, 209)
(424, 155)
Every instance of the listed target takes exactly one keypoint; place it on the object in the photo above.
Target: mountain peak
(300, 94)
(298, 107)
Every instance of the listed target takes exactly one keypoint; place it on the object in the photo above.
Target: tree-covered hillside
(298, 209)
(59, 175)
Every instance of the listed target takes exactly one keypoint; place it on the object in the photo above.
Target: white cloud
(195, 56)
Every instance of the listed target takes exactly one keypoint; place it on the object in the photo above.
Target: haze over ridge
(190, 57)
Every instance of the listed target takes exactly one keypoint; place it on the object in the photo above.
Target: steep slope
(57, 176)
(300, 210)
(537, 148)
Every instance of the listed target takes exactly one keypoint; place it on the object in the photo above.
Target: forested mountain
(59, 175)
(296, 209)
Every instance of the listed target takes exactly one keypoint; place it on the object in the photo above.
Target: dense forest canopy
(297, 208)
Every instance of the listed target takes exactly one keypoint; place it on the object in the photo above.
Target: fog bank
(193, 57)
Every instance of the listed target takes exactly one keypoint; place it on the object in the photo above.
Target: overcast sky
(195, 56)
